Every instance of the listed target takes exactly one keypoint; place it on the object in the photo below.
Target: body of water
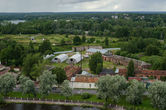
(44, 107)
(17, 21)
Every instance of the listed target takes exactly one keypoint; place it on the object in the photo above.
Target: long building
(125, 61)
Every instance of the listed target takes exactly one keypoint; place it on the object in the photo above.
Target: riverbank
(62, 102)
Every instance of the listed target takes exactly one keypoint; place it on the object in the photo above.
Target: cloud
(81, 5)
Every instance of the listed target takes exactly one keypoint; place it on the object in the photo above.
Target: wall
(83, 48)
(82, 85)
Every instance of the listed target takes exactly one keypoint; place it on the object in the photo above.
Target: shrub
(85, 96)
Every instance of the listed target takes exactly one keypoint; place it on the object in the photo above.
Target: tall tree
(7, 83)
(130, 69)
(83, 38)
(135, 92)
(157, 94)
(106, 41)
(29, 64)
(60, 75)
(111, 87)
(66, 90)
(47, 80)
(96, 63)
(45, 47)
(76, 40)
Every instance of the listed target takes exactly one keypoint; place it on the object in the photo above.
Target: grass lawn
(144, 106)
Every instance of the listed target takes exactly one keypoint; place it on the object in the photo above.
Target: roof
(107, 71)
(71, 71)
(102, 51)
(62, 56)
(77, 57)
(62, 52)
(86, 79)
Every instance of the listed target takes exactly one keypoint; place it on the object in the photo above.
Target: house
(60, 58)
(75, 59)
(48, 56)
(71, 71)
(82, 81)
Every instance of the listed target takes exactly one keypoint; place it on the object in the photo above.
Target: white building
(82, 81)
(75, 59)
(60, 58)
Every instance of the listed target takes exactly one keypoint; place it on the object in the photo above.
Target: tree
(135, 92)
(66, 90)
(47, 80)
(27, 85)
(106, 41)
(29, 64)
(157, 94)
(62, 42)
(7, 83)
(83, 38)
(76, 40)
(96, 63)
(31, 48)
(151, 50)
(130, 69)
(60, 75)
(45, 47)
(111, 87)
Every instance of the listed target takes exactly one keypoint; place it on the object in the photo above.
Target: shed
(75, 59)
(60, 58)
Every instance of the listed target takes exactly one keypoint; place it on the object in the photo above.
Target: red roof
(86, 79)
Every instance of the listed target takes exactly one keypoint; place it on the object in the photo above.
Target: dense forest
(122, 25)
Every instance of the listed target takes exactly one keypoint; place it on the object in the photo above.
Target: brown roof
(86, 79)
(71, 71)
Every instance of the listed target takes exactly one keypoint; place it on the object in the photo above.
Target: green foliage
(62, 42)
(85, 96)
(65, 89)
(130, 69)
(135, 92)
(111, 87)
(106, 41)
(11, 53)
(60, 75)
(7, 83)
(157, 94)
(83, 39)
(27, 85)
(47, 80)
(45, 47)
(76, 40)
(96, 63)
(152, 50)
(29, 65)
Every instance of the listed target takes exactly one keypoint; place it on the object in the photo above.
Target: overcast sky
(81, 5)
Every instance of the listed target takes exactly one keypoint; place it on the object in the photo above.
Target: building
(107, 72)
(60, 58)
(120, 60)
(146, 73)
(93, 50)
(84, 48)
(82, 81)
(75, 59)
(71, 71)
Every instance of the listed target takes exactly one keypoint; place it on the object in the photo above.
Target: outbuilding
(75, 59)
(60, 58)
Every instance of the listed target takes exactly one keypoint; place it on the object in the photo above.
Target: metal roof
(102, 51)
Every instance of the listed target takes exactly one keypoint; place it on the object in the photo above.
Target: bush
(85, 96)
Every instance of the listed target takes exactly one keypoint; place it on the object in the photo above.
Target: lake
(44, 107)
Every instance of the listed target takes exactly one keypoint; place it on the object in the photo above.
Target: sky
(81, 5)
